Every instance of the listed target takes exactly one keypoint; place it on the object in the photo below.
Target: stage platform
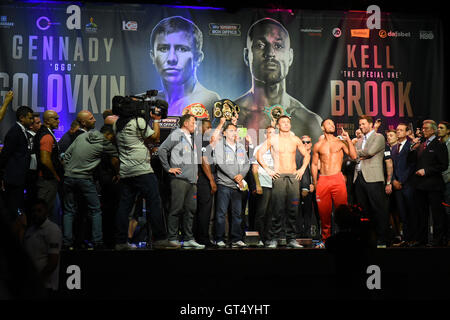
(256, 274)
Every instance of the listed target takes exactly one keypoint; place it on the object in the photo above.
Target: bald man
(86, 120)
(50, 170)
(269, 55)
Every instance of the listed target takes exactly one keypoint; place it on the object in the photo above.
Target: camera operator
(136, 174)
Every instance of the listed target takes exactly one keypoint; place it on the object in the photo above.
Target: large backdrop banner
(309, 65)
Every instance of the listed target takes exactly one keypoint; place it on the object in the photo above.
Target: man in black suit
(401, 181)
(431, 160)
(15, 162)
(308, 196)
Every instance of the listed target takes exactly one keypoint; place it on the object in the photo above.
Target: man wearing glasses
(431, 160)
(50, 169)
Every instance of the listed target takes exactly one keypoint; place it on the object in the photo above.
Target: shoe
(294, 244)
(239, 244)
(283, 242)
(221, 244)
(68, 247)
(400, 244)
(192, 244)
(165, 244)
(272, 244)
(124, 246)
(260, 244)
(320, 245)
(381, 245)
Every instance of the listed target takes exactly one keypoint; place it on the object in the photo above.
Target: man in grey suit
(369, 178)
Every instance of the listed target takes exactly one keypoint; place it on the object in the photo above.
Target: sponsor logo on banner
(426, 35)
(129, 25)
(337, 32)
(169, 123)
(43, 23)
(91, 27)
(394, 34)
(360, 33)
(4, 22)
(219, 29)
(317, 32)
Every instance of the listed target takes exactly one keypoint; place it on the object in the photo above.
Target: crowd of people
(206, 187)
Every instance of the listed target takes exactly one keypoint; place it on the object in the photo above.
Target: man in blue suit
(15, 161)
(401, 181)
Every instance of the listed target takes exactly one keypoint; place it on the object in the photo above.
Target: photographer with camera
(133, 132)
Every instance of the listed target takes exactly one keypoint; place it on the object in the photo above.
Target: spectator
(444, 135)
(15, 161)
(43, 241)
(431, 159)
(401, 182)
(68, 137)
(206, 188)
(80, 161)
(50, 169)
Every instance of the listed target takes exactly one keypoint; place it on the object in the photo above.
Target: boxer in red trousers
(330, 187)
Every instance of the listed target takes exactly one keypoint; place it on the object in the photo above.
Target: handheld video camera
(140, 106)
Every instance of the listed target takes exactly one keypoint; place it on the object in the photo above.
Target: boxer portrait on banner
(176, 51)
(269, 55)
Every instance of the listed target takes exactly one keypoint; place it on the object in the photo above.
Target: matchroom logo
(360, 33)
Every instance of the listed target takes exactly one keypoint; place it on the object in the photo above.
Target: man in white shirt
(42, 242)
(263, 183)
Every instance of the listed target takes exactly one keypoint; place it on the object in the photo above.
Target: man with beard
(269, 56)
(176, 51)
(330, 187)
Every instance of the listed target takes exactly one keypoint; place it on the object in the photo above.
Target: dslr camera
(140, 106)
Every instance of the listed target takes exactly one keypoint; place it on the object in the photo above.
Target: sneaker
(294, 244)
(320, 245)
(68, 247)
(239, 244)
(272, 244)
(192, 244)
(124, 246)
(165, 244)
(283, 242)
(260, 244)
(221, 244)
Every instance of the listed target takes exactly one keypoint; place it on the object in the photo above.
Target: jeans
(224, 197)
(88, 192)
(147, 186)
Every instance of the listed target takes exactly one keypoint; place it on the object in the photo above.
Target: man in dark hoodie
(80, 160)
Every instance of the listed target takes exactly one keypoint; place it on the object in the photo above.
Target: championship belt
(275, 112)
(197, 110)
(226, 108)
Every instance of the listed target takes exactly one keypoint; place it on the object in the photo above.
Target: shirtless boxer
(286, 179)
(331, 185)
